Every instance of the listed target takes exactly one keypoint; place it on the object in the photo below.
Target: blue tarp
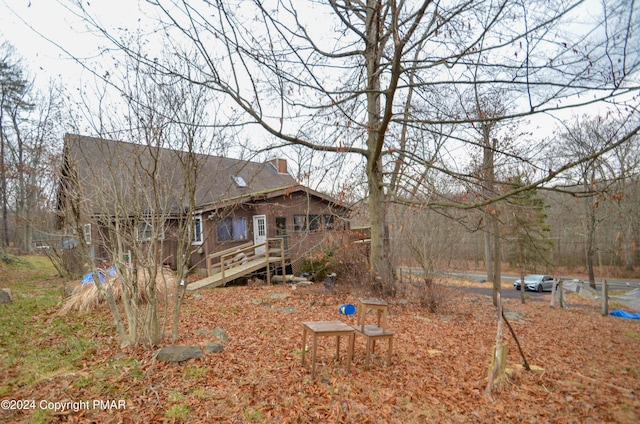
(624, 314)
(88, 278)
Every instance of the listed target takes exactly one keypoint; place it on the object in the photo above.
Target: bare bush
(350, 262)
(86, 297)
(430, 294)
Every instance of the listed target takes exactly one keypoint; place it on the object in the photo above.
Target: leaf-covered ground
(586, 367)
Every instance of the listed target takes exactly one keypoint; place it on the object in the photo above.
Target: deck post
(266, 261)
(222, 270)
(284, 271)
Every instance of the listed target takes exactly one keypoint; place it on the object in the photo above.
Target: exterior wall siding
(284, 208)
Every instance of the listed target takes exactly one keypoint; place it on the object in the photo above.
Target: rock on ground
(5, 296)
(178, 353)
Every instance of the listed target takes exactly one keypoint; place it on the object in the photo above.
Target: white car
(535, 282)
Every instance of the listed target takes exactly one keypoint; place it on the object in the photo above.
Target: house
(235, 202)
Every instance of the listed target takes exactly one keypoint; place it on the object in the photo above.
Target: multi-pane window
(87, 233)
(281, 226)
(144, 232)
(197, 236)
(313, 223)
(329, 223)
(231, 229)
(299, 223)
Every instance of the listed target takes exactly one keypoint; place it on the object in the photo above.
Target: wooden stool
(373, 333)
(381, 307)
(327, 328)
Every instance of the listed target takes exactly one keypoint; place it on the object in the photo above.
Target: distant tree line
(30, 122)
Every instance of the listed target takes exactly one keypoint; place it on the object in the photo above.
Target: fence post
(605, 298)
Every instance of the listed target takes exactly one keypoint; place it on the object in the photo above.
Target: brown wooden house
(236, 202)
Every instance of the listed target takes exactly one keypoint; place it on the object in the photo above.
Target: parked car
(535, 282)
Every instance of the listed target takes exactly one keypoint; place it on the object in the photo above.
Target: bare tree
(346, 89)
(36, 142)
(141, 200)
(593, 181)
(624, 197)
(14, 87)
(30, 120)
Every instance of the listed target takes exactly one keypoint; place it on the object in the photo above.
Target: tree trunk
(380, 264)
(523, 270)
(4, 241)
(488, 251)
(107, 294)
(177, 305)
(497, 357)
(497, 260)
(628, 247)
(591, 242)
(492, 232)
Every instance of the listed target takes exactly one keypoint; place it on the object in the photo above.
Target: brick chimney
(280, 165)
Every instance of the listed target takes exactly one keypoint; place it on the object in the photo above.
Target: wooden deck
(237, 262)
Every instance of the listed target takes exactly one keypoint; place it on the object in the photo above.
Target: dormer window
(240, 182)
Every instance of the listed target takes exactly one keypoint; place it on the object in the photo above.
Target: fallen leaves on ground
(585, 367)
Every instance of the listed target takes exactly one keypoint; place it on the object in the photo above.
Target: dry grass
(86, 297)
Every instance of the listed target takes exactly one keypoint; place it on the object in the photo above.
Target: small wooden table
(327, 328)
(381, 307)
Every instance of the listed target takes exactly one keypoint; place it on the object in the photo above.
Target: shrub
(351, 264)
(433, 296)
(319, 264)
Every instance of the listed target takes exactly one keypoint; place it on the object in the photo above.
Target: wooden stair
(240, 261)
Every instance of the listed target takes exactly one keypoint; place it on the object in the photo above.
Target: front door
(259, 232)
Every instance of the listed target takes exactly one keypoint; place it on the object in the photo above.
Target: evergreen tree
(13, 87)
(528, 231)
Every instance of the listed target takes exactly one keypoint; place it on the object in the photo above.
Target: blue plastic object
(347, 309)
(624, 314)
(88, 278)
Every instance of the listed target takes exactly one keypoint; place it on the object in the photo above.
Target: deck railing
(225, 260)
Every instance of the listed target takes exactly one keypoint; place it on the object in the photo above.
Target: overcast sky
(29, 24)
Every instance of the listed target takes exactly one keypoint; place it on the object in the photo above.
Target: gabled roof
(113, 173)
(275, 193)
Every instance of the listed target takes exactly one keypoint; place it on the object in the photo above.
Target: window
(299, 223)
(144, 232)
(231, 229)
(281, 226)
(197, 236)
(315, 222)
(240, 182)
(87, 233)
(329, 223)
